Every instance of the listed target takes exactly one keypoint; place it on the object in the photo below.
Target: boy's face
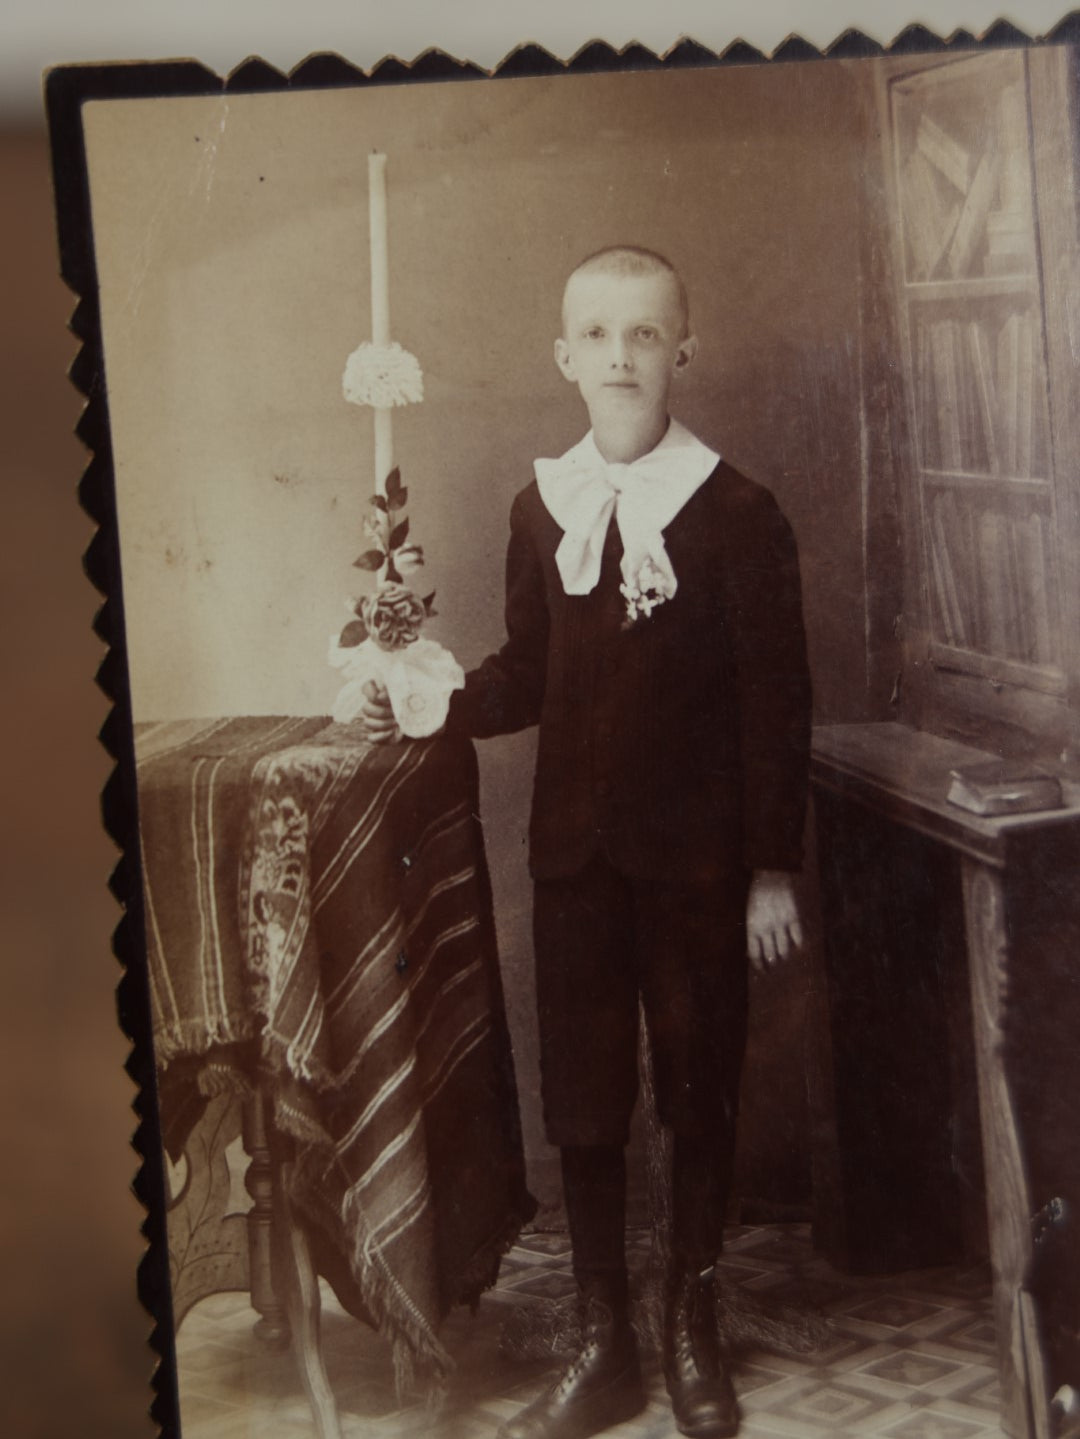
(623, 343)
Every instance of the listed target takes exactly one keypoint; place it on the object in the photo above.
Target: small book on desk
(1004, 787)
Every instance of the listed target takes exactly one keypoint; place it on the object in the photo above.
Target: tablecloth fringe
(293, 1117)
(482, 1271)
(222, 1077)
(280, 1057)
(182, 1038)
(414, 1345)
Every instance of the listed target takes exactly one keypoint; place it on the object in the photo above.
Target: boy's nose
(621, 354)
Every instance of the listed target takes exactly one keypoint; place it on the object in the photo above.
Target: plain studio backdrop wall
(231, 240)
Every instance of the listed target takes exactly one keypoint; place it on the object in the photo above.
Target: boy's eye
(594, 332)
(646, 332)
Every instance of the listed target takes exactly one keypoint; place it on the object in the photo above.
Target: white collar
(581, 491)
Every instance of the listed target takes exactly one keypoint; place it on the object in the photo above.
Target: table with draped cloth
(319, 929)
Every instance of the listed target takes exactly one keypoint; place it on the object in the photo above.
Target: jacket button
(603, 788)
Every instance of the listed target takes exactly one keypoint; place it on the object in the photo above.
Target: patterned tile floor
(911, 1357)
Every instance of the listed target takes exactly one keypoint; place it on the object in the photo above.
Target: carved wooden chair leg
(271, 1327)
(300, 1286)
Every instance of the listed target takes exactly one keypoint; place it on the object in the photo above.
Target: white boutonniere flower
(649, 588)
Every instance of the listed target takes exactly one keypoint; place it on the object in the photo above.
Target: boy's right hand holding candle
(376, 715)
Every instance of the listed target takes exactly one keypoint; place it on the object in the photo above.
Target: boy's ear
(564, 360)
(685, 354)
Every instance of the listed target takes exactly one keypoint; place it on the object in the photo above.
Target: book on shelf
(1016, 389)
(1020, 261)
(995, 599)
(949, 606)
(1025, 397)
(953, 529)
(929, 459)
(982, 368)
(1010, 243)
(947, 393)
(1014, 136)
(1008, 371)
(1010, 229)
(928, 220)
(966, 402)
(970, 231)
(948, 156)
(1011, 591)
(996, 787)
(1035, 581)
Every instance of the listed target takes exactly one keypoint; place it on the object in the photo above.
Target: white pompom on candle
(382, 376)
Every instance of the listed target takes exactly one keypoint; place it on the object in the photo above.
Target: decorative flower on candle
(382, 376)
(649, 589)
(393, 616)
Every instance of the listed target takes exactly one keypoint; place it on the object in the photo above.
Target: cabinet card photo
(590, 572)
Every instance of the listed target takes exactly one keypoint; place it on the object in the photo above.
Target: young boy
(654, 632)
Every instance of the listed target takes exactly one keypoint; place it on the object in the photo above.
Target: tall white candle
(380, 305)
(380, 263)
(384, 449)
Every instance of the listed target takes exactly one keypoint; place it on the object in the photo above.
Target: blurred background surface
(72, 1336)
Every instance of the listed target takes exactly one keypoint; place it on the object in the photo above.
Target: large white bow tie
(581, 491)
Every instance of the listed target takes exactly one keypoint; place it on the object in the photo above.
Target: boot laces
(696, 1305)
(576, 1366)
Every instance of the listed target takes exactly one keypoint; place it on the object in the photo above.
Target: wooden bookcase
(981, 192)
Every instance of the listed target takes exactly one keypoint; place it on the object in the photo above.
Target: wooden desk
(950, 946)
(320, 940)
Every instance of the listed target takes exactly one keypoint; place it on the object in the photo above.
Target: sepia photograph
(592, 581)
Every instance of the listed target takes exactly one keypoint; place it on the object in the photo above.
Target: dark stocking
(594, 1185)
(699, 1197)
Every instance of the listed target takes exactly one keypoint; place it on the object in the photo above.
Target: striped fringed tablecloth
(318, 914)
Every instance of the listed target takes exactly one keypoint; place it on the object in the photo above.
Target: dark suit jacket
(679, 746)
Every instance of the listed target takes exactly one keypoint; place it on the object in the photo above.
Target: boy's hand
(773, 927)
(376, 716)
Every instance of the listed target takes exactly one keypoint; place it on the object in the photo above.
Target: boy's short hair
(632, 260)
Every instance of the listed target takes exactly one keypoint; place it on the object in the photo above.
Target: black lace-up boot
(601, 1387)
(702, 1396)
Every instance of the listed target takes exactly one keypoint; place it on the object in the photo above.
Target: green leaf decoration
(399, 534)
(398, 501)
(429, 604)
(393, 484)
(370, 560)
(379, 501)
(354, 633)
(410, 554)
